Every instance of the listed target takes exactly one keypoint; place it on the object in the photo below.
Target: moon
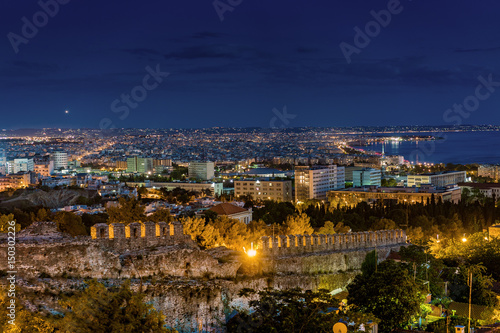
(67, 111)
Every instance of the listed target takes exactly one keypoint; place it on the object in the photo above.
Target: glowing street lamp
(464, 239)
(251, 252)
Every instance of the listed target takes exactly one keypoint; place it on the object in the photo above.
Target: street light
(251, 252)
(464, 239)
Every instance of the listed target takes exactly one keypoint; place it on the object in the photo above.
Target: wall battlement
(138, 235)
(298, 244)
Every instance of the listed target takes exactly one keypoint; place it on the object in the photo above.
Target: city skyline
(249, 64)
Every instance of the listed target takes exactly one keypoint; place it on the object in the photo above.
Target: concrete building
(60, 160)
(439, 179)
(234, 212)
(18, 180)
(3, 157)
(21, 165)
(45, 168)
(490, 171)
(349, 172)
(201, 170)
(371, 194)
(315, 182)
(166, 162)
(489, 190)
(121, 165)
(139, 165)
(262, 189)
(367, 177)
(215, 189)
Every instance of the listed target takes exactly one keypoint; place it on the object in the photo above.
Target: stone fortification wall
(283, 245)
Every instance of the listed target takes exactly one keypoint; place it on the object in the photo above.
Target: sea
(455, 147)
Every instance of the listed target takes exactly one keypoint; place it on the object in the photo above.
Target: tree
(128, 211)
(389, 293)
(161, 215)
(369, 265)
(25, 321)
(293, 310)
(70, 223)
(5, 223)
(384, 224)
(298, 224)
(193, 226)
(42, 215)
(328, 228)
(97, 309)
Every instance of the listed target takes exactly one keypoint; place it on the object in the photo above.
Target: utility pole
(470, 295)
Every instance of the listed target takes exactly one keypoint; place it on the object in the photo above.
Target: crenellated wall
(298, 244)
(138, 235)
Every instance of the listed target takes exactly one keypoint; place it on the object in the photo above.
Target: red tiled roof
(227, 209)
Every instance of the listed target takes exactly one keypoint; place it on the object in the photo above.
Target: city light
(464, 239)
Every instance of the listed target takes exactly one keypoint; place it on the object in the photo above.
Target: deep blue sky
(263, 55)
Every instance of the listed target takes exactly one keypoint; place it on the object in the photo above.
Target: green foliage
(478, 249)
(293, 310)
(298, 225)
(384, 224)
(5, 221)
(369, 265)
(89, 220)
(439, 326)
(70, 223)
(127, 212)
(42, 215)
(390, 294)
(25, 321)
(161, 215)
(274, 212)
(97, 309)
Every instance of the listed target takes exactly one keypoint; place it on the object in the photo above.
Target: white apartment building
(367, 177)
(315, 182)
(262, 189)
(440, 179)
(201, 170)
(23, 165)
(60, 160)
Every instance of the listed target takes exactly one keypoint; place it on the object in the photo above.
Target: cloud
(206, 34)
(306, 50)
(142, 51)
(30, 66)
(223, 51)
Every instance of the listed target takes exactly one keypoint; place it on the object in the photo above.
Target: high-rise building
(261, 189)
(60, 160)
(201, 170)
(366, 177)
(23, 165)
(316, 181)
(139, 165)
(3, 157)
(439, 179)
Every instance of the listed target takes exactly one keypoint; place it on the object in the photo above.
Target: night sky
(234, 72)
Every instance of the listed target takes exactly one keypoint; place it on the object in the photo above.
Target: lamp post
(470, 296)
